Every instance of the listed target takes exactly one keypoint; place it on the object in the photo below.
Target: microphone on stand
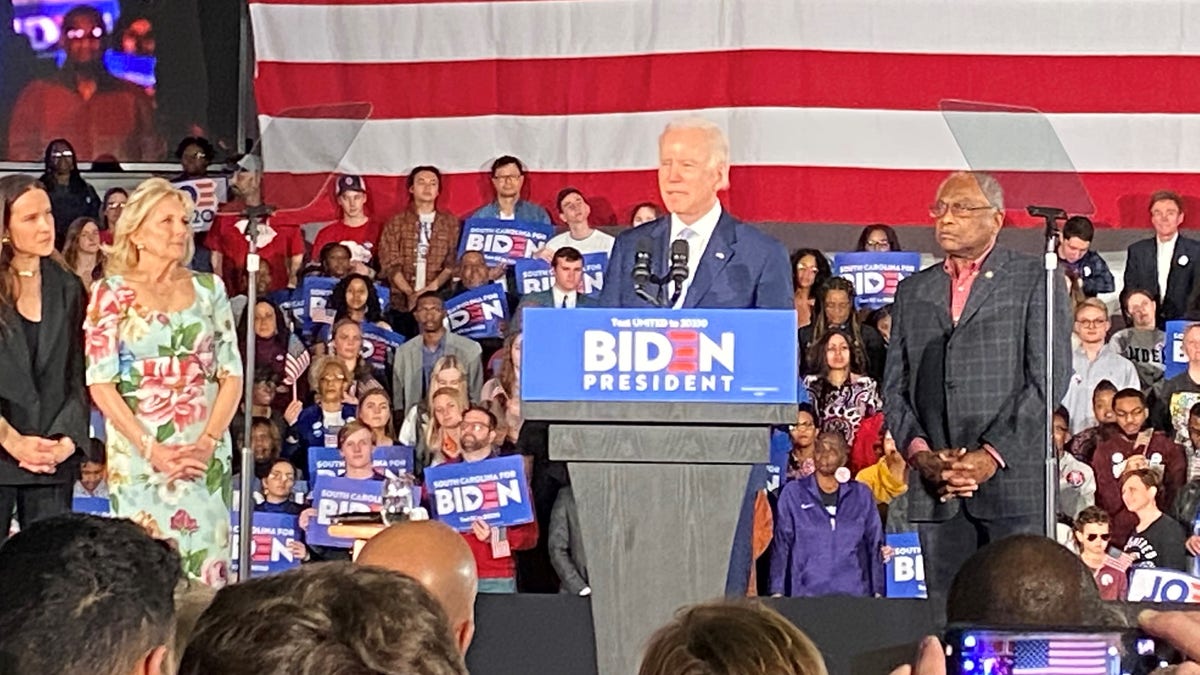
(642, 270)
(679, 268)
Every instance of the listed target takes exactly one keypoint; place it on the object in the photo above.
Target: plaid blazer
(980, 381)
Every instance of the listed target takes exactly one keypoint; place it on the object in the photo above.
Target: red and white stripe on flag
(832, 106)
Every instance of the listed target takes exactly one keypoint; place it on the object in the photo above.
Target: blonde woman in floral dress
(164, 368)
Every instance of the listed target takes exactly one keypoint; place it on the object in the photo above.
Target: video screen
(986, 652)
(121, 80)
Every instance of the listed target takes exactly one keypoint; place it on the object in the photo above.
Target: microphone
(679, 267)
(642, 271)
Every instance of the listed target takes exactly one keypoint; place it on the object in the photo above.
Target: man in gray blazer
(567, 269)
(964, 392)
(414, 359)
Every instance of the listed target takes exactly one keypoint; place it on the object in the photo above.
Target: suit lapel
(938, 295)
(1175, 271)
(713, 259)
(52, 331)
(990, 274)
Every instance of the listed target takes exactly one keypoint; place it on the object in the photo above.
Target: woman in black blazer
(43, 409)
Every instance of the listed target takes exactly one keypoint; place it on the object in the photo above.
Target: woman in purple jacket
(828, 538)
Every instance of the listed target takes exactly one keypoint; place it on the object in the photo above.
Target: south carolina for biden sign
(713, 356)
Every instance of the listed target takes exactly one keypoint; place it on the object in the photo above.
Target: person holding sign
(356, 441)
(279, 498)
(730, 264)
(828, 536)
(164, 368)
(878, 238)
(492, 546)
(418, 248)
(318, 424)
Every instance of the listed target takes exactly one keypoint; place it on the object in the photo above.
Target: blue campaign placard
(1174, 361)
(503, 240)
(667, 355)
(379, 344)
(312, 306)
(97, 506)
(479, 312)
(906, 571)
(334, 496)
(534, 275)
(875, 275)
(493, 490)
(328, 462)
(271, 535)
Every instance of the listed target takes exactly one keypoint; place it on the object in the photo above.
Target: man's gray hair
(992, 192)
(717, 142)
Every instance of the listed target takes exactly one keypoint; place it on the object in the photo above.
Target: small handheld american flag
(293, 367)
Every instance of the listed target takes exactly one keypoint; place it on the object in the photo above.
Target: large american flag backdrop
(834, 108)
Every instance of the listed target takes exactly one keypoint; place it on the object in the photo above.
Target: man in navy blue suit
(731, 265)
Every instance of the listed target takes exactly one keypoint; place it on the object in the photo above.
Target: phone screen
(981, 651)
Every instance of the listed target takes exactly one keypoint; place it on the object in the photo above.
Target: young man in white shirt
(574, 210)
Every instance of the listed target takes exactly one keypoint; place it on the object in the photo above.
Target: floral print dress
(167, 366)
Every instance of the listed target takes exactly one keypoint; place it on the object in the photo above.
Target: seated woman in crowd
(273, 342)
(318, 424)
(447, 371)
(841, 395)
(267, 446)
(261, 397)
(644, 213)
(1158, 540)
(801, 460)
(375, 411)
(888, 477)
(347, 347)
(835, 303)
(828, 536)
(440, 444)
(878, 238)
(334, 261)
(1091, 536)
(502, 394)
(81, 250)
(810, 270)
(355, 297)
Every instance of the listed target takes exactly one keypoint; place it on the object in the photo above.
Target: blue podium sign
(662, 355)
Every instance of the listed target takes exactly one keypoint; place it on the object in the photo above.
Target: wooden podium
(658, 484)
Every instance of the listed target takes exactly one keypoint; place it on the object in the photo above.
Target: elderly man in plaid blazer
(964, 386)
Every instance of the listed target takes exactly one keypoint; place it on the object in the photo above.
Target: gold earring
(139, 247)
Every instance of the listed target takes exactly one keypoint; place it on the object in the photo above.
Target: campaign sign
(313, 307)
(328, 462)
(875, 275)
(379, 344)
(97, 506)
(535, 276)
(493, 490)
(271, 534)
(478, 312)
(906, 570)
(334, 496)
(1174, 361)
(206, 194)
(503, 240)
(687, 355)
(1156, 584)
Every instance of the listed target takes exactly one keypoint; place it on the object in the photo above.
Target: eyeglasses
(1091, 323)
(79, 33)
(1103, 537)
(59, 154)
(508, 177)
(939, 209)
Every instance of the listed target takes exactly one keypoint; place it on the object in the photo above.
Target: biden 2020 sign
(875, 275)
(493, 490)
(692, 355)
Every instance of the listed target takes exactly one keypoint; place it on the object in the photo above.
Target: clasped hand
(41, 455)
(182, 462)
(956, 472)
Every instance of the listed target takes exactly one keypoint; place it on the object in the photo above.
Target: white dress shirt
(1166, 251)
(560, 295)
(697, 243)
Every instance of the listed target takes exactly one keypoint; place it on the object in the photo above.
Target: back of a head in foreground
(1027, 580)
(435, 555)
(730, 638)
(89, 595)
(324, 619)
